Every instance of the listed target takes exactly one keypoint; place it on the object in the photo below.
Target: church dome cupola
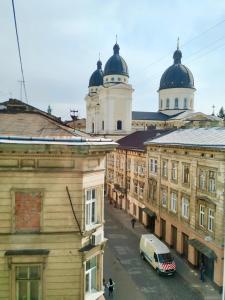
(177, 75)
(96, 78)
(116, 69)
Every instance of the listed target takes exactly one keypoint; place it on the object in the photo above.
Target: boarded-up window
(27, 211)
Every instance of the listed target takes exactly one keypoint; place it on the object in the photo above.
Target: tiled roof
(201, 137)
(135, 140)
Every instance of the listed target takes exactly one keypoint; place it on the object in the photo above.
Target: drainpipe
(223, 296)
(126, 180)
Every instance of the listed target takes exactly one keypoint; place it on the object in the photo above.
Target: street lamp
(74, 116)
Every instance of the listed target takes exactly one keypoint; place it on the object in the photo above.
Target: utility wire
(19, 51)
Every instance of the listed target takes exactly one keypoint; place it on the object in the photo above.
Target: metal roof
(145, 115)
(202, 137)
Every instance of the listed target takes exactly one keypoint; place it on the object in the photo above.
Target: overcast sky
(60, 41)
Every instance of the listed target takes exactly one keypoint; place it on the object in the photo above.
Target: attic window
(202, 154)
(112, 78)
(186, 153)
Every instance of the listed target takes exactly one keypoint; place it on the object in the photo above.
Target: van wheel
(142, 256)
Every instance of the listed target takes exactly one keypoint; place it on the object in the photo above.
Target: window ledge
(92, 228)
(93, 296)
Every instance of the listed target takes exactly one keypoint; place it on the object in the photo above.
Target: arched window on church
(176, 103)
(185, 103)
(103, 127)
(93, 127)
(161, 104)
(119, 125)
(167, 103)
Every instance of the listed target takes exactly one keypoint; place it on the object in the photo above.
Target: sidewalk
(183, 269)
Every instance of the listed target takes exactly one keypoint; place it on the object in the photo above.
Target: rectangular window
(91, 275)
(186, 174)
(27, 211)
(164, 169)
(174, 171)
(212, 182)
(153, 166)
(128, 184)
(135, 187)
(91, 210)
(173, 202)
(202, 215)
(134, 209)
(141, 190)
(128, 164)
(135, 167)
(164, 198)
(202, 180)
(211, 220)
(28, 282)
(185, 207)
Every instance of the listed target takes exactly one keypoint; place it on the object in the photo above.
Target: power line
(19, 51)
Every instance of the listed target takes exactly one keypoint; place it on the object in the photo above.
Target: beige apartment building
(186, 191)
(51, 208)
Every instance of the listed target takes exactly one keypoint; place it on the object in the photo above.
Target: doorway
(208, 263)
(185, 238)
(163, 229)
(174, 237)
(140, 215)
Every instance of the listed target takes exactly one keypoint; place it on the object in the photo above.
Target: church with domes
(109, 100)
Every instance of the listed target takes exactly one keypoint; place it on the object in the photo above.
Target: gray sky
(60, 41)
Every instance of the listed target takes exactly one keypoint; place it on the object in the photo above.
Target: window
(134, 209)
(93, 127)
(141, 190)
(128, 164)
(103, 125)
(164, 198)
(91, 213)
(202, 215)
(185, 207)
(167, 103)
(176, 103)
(152, 189)
(186, 174)
(153, 166)
(135, 167)
(173, 202)
(128, 184)
(141, 170)
(161, 104)
(135, 187)
(27, 211)
(211, 220)
(185, 103)
(119, 125)
(164, 169)
(28, 282)
(212, 182)
(91, 275)
(174, 171)
(202, 180)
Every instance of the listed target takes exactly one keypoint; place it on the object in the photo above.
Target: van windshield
(165, 257)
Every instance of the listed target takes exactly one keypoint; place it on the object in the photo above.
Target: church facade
(109, 100)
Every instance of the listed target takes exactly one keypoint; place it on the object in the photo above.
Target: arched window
(93, 127)
(103, 125)
(176, 103)
(119, 125)
(185, 102)
(167, 103)
(161, 104)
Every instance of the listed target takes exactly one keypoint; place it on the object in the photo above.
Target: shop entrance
(208, 263)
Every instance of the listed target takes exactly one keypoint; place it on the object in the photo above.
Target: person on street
(133, 221)
(202, 272)
(110, 286)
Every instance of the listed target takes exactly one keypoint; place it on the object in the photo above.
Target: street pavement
(135, 278)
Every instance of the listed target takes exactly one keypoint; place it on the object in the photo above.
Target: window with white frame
(185, 207)
(91, 275)
(28, 282)
(211, 220)
(164, 168)
(186, 174)
(202, 215)
(91, 209)
(212, 182)
(202, 180)
(164, 197)
(173, 202)
(174, 171)
(153, 166)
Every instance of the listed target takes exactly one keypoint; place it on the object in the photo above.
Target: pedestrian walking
(110, 286)
(202, 272)
(133, 221)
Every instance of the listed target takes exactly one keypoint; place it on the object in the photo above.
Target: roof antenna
(178, 43)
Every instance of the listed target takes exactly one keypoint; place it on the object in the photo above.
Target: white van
(157, 254)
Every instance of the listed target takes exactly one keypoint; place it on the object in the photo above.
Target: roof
(116, 65)
(177, 75)
(145, 115)
(135, 141)
(96, 78)
(159, 246)
(213, 137)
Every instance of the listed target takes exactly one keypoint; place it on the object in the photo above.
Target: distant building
(51, 207)
(109, 100)
(186, 191)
